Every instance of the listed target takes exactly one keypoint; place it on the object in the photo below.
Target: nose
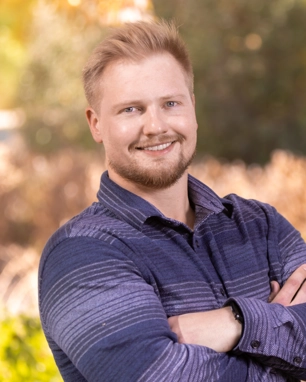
(154, 122)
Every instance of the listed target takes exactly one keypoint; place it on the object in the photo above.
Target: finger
(291, 287)
(275, 288)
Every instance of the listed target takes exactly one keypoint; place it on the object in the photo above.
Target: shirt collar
(135, 210)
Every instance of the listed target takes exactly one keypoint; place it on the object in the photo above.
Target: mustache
(155, 141)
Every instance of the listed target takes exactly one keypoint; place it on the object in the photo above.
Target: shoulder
(96, 222)
(250, 207)
(84, 246)
(86, 236)
(257, 213)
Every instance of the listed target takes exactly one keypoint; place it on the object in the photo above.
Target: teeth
(159, 147)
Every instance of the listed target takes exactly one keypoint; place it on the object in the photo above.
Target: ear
(94, 124)
(193, 100)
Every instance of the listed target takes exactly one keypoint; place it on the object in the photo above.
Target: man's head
(134, 42)
(139, 87)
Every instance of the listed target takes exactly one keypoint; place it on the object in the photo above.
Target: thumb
(275, 288)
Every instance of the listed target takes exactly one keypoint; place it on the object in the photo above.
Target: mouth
(159, 147)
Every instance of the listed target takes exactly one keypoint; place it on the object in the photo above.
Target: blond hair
(134, 42)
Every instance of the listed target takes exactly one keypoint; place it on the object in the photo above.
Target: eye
(171, 103)
(129, 109)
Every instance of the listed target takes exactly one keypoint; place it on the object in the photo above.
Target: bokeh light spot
(71, 190)
(74, 3)
(43, 136)
(253, 41)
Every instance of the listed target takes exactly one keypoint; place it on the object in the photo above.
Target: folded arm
(275, 335)
(222, 331)
(104, 322)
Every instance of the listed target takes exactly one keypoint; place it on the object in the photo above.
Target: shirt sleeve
(273, 334)
(104, 322)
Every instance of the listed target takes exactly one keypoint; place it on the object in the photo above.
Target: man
(162, 280)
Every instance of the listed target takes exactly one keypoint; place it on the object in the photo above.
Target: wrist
(236, 312)
(237, 317)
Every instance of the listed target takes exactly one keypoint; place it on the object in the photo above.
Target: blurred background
(250, 79)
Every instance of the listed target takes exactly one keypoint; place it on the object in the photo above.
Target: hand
(294, 290)
(216, 329)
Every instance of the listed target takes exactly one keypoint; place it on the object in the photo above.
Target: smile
(157, 147)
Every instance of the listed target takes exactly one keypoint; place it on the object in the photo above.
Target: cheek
(188, 127)
(124, 127)
(191, 134)
(118, 136)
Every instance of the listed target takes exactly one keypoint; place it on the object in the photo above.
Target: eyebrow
(127, 103)
(170, 96)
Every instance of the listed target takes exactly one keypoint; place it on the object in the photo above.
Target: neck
(173, 202)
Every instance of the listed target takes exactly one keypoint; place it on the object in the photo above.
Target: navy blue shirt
(111, 276)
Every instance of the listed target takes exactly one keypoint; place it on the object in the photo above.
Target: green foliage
(24, 353)
(50, 89)
(15, 16)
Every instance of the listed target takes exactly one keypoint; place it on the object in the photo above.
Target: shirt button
(197, 243)
(255, 344)
(222, 291)
(297, 360)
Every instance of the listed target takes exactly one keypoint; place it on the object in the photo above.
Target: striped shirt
(111, 276)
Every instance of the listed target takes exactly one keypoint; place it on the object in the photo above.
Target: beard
(156, 176)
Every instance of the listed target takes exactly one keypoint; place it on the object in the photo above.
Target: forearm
(216, 329)
(273, 335)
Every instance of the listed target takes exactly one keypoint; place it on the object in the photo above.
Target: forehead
(160, 69)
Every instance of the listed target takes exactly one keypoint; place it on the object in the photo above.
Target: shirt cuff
(270, 330)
